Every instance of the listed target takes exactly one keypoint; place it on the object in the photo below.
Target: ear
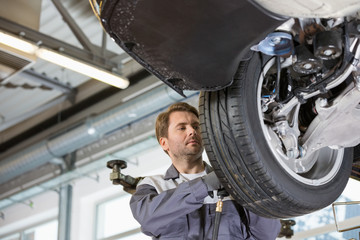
(164, 143)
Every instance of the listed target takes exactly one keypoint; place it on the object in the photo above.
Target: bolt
(282, 129)
(307, 66)
(358, 28)
(290, 153)
(264, 108)
(323, 102)
(38, 43)
(328, 52)
(302, 151)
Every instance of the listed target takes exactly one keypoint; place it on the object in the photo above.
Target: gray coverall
(169, 207)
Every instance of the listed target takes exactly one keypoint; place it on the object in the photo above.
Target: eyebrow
(185, 123)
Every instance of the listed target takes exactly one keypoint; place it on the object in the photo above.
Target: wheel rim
(328, 161)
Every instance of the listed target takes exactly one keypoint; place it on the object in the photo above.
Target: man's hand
(212, 182)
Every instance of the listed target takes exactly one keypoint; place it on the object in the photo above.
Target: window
(115, 220)
(15, 236)
(321, 224)
(46, 231)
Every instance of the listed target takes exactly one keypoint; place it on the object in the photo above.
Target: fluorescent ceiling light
(83, 68)
(18, 43)
(64, 61)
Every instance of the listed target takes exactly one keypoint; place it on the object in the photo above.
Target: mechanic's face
(184, 140)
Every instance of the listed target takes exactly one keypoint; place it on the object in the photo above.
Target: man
(177, 205)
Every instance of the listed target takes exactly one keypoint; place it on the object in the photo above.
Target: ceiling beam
(79, 34)
(49, 82)
(36, 37)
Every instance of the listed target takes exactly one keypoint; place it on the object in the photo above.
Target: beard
(188, 152)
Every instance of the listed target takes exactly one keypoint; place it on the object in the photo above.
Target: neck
(189, 167)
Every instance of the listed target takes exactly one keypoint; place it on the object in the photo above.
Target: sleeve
(261, 227)
(154, 211)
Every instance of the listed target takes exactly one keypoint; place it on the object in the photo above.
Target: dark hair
(162, 121)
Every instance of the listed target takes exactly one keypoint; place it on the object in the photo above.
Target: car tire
(240, 153)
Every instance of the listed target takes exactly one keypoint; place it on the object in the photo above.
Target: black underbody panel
(190, 45)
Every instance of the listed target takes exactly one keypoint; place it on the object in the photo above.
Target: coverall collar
(172, 172)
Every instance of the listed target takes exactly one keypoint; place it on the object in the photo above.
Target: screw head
(307, 66)
(328, 52)
(323, 102)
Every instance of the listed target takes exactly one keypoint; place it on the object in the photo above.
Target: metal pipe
(90, 131)
(64, 218)
(29, 114)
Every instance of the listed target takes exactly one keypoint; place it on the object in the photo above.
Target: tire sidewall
(304, 193)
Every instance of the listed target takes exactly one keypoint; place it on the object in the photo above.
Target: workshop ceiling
(44, 105)
(34, 92)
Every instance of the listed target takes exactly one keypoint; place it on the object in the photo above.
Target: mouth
(193, 142)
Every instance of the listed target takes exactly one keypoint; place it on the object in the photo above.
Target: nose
(192, 131)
